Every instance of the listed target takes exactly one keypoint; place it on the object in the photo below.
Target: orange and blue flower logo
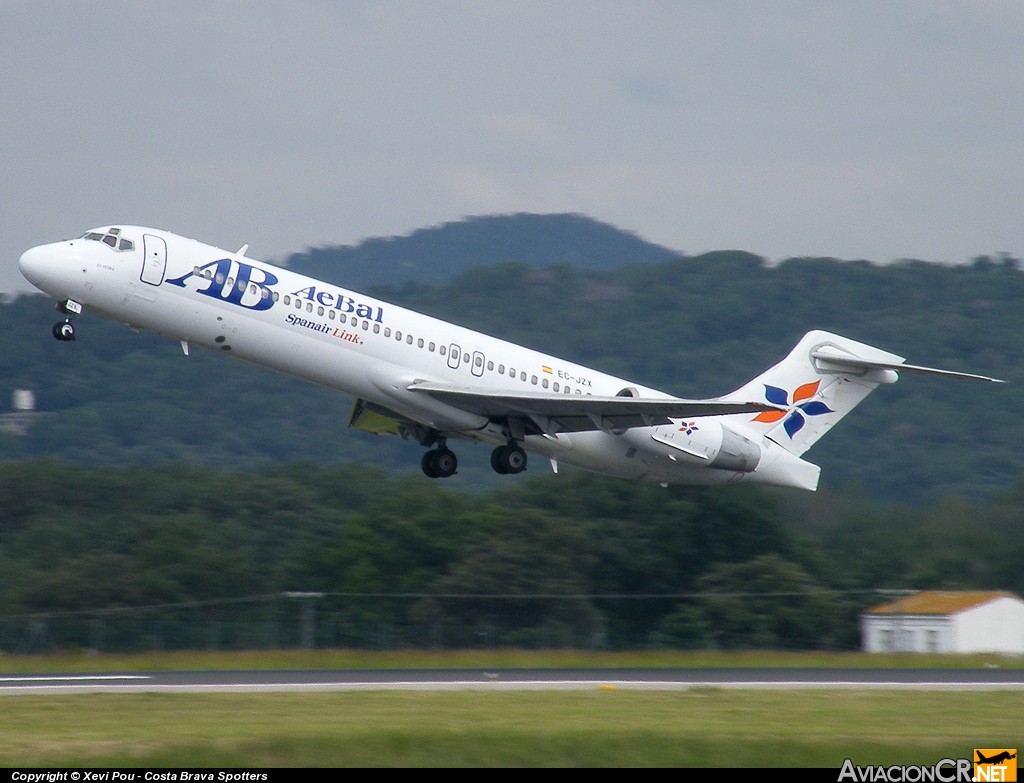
(689, 427)
(799, 407)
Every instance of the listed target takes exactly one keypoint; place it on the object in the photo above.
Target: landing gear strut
(508, 459)
(63, 330)
(440, 462)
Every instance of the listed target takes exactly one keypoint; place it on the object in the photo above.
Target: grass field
(700, 727)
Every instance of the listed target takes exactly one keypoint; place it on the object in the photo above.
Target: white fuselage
(372, 350)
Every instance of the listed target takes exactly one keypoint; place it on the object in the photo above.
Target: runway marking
(76, 678)
(81, 684)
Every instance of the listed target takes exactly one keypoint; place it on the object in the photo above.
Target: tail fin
(821, 380)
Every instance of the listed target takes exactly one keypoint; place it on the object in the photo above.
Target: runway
(267, 681)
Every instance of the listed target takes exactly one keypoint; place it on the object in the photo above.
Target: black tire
(513, 459)
(439, 463)
(64, 331)
(445, 463)
(496, 460)
(427, 463)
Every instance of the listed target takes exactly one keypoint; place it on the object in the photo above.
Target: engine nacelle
(736, 452)
(706, 442)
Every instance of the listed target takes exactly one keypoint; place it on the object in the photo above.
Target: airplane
(996, 759)
(433, 381)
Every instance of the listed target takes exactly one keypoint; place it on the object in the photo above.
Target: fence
(403, 621)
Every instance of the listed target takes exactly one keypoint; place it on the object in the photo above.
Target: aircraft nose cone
(33, 264)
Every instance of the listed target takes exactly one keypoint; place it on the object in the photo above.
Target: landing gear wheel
(64, 331)
(439, 463)
(496, 461)
(510, 459)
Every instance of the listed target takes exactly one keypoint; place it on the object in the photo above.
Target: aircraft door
(154, 262)
(454, 356)
(477, 365)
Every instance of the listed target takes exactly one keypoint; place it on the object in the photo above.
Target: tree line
(567, 560)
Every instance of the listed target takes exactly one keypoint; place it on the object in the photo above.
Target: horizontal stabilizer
(827, 354)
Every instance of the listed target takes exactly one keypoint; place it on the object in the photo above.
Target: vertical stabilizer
(815, 392)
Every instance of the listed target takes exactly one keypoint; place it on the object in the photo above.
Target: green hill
(437, 254)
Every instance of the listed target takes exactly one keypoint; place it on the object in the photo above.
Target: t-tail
(821, 380)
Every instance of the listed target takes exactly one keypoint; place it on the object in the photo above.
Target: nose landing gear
(63, 330)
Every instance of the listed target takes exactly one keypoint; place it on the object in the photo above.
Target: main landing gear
(63, 330)
(441, 462)
(508, 459)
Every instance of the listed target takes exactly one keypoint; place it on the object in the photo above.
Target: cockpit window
(112, 237)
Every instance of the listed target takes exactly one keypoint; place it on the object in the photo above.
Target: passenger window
(533, 380)
(330, 314)
(544, 383)
(398, 336)
(431, 347)
(419, 343)
(490, 366)
(522, 376)
(309, 307)
(387, 331)
(298, 304)
(442, 350)
(287, 299)
(366, 325)
(319, 310)
(376, 328)
(555, 387)
(408, 339)
(219, 278)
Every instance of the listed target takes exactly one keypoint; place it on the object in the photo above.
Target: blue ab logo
(249, 287)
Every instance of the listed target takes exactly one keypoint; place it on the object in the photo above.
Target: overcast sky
(876, 130)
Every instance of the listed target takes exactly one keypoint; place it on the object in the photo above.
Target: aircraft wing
(552, 413)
